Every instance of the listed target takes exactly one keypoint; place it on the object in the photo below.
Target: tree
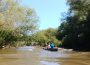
(44, 36)
(16, 19)
(73, 30)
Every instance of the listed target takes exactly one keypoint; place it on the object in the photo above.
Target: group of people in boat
(51, 45)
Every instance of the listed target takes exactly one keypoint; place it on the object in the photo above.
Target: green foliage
(45, 36)
(75, 31)
(15, 22)
(6, 37)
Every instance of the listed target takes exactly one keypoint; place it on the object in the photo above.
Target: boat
(51, 49)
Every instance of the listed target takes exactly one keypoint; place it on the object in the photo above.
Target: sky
(49, 11)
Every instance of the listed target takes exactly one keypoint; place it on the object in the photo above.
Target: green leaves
(16, 20)
(75, 31)
(45, 36)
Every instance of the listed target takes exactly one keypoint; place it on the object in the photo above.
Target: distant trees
(45, 36)
(74, 31)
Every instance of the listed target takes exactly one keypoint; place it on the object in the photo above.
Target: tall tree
(77, 23)
(17, 19)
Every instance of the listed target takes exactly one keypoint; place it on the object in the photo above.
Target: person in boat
(48, 45)
(52, 45)
(60, 45)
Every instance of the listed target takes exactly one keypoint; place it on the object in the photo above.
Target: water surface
(30, 55)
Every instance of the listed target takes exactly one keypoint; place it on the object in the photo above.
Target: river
(30, 55)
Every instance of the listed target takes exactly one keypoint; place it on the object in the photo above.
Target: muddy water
(37, 56)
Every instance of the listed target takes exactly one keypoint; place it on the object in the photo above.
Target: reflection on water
(26, 48)
(36, 56)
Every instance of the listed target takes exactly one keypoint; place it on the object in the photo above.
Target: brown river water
(30, 55)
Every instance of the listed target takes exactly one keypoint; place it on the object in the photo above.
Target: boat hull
(51, 49)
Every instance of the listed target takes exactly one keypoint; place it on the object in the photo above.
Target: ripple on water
(26, 48)
(48, 63)
(53, 54)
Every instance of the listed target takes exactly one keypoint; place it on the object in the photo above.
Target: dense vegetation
(18, 26)
(74, 31)
(45, 36)
(15, 22)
